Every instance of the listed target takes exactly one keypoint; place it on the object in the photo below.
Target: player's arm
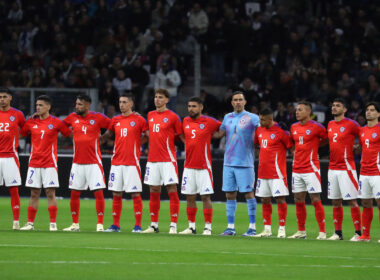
(182, 137)
(219, 134)
(324, 140)
(105, 136)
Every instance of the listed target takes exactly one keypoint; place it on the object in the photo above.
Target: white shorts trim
(342, 184)
(125, 178)
(38, 177)
(271, 188)
(369, 187)
(306, 182)
(9, 172)
(197, 181)
(83, 176)
(161, 173)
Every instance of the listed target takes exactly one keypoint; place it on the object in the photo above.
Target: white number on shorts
(4, 127)
(123, 132)
(84, 129)
(264, 143)
(300, 140)
(193, 133)
(42, 133)
(156, 127)
(335, 136)
(367, 143)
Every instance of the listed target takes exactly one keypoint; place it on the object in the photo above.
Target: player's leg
(115, 184)
(96, 183)
(282, 209)
(337, 219)
(366, 194)
(230, 188)
(299, 191)
(32, 208)
(334, 193)
(52, 208)
(207, 213)
(169, 173)
(267, 217)
(251, 205)
(191, 211)
(356, 219)
(137, 209)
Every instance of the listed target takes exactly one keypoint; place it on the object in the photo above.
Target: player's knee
(353, 203)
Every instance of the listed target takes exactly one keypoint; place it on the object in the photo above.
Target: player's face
(337, 109)
(371, 113)
(160, 100)
(82, 107)
(238, 102)
(266, 121)
(302, 112)
(194, 109)
(42, 107)
(5, 99)
(125, 104)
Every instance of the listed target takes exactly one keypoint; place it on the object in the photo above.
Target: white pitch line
(191, 251)
(54, 262)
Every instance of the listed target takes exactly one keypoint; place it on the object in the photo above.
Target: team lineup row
(243, 131)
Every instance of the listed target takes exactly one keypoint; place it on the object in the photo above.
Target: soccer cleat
(207, 231)
(189, 230)
(250, 233)
(28, 226)
(281, 233)
(228, 232)
(335, 237)
(113, 228)
(365, 238)
(321, 236)
(137, 229)
(16, 225)
(355, 238)
(173, 230)
(265, 233)
(99, 228)
(73, 227)
(151, 229)
(298, 235)
(53, 227)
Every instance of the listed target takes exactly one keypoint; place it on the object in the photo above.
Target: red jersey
(342, 136)
(128, 130)
(10, 123)
(307, 138)
(273, 142)
(370, 141)
(44, 135)
(86, 132)
(198, 135)
(163, 127)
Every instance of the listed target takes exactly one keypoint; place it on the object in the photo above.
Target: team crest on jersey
(243, 121)
(132, 123)
(272, 136)
(110, 184)
(165, 120)
(342, 129)
(374, 135)
(12, 118)
(92, 122)
(201, 126)
(30, 181)
(50, 126)
(308, 132)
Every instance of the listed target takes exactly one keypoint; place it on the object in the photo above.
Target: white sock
(282, 227)
(231, 226)
(252, 225)
(173, 224)
(208, 226)
(268, 227)
(192, 225)
(154, 224)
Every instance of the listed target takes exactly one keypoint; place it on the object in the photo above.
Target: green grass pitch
(90, 255)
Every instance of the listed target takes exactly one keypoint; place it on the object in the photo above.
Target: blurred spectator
(140, 78)
(198, 20)
(210, 104)
(121, 82)
(170, 80)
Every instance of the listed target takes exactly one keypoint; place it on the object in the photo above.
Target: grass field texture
(90, 255)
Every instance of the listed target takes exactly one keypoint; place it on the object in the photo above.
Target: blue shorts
(238, 179)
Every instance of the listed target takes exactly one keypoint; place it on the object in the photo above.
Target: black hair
(44, 98)
(6, 90)
(341, 100)
(128, 95)
(266, 112)
(196, 99)
(373, 103)
(306, 103)
(84, 97)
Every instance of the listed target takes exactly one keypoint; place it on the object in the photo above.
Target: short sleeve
(68, 120)
(144, 124)
(64, 129)
(178, 125)
(25, 130)
(111, 126)
(104, 121)
(322, 132)
(223, 125)
(21, 119)
(286, 139)
(255, 120)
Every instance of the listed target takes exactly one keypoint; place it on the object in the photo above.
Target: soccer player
(11, 120)
(307, 135)
(87, 169)
(342, 177)
(42, 171)
(238, 170)
(161, 168)
(273, 142)
(197, 174)
(125, 174)
(369, 180)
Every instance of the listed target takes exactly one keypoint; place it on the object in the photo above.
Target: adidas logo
(113, 214)
(187, 126)
(260, 135)
(134, 188)
(14, 182)
(171, 180)
(348, 195)
(312, 189)
(295, 133)
(264, 220)
(207, 190)
(335, 221)
(35, 126)
(330, 130)
(151, 120)
(98, 184)
(73, 213)
(51, 183)
(356, 222)
(16, 207)
(118, 124)
(277, 192)
(137, 213)
(100, 214)
(282, 221)
(175, 215)
(152, 214)
(378, 194)
(77, 121)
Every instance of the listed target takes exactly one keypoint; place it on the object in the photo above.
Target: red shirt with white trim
(370, 141)
(273, 142)
(342, 136)
(127, 130)
(307, 138)
(44, 134)
(10, 123)
(163, 127)
(86, 131)
(198, 135)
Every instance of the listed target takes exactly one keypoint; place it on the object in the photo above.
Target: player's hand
(357, 149)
